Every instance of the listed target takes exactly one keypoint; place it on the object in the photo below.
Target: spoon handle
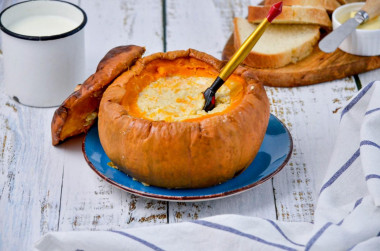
(250, 42)
(239, 56)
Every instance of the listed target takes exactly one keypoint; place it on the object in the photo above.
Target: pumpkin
(153, 128)
(79, 111)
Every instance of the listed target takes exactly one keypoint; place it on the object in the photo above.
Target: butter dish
(364, 41)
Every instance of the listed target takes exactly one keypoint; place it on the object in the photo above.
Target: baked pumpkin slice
(152, 126)
(79, 111)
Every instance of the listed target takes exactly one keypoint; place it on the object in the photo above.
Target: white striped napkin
(347, 216)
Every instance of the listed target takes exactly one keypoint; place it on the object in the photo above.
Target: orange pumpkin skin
(187, 154)
(77, 113)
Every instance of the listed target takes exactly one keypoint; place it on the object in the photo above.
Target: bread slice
(292, 15)
(350, 1)
(329, 5)
(279, 45)
(314, 3)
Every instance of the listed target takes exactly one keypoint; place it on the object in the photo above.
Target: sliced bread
(279, 45)
(292, 15)
(314, 3)
(350, 1)
(329, 5)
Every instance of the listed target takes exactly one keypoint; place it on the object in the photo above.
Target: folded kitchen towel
(347, 216)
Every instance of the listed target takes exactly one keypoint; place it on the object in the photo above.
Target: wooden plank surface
(312, 116)
(211, 24)
(31, 175)
(88, 202)
(121, 22)
(45, 188)
(368, 77)
(295, 188)
(31, 172)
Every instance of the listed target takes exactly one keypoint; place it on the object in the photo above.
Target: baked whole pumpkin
(151, 122)
(152, 126)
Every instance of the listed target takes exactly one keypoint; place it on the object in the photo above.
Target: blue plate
(274, 153)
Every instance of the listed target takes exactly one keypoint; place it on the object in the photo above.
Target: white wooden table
(45, 188)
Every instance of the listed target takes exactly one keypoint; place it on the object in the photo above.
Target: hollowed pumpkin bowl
(184, 147)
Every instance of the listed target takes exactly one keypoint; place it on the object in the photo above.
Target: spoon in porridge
(239, 56)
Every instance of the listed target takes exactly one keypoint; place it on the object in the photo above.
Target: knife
(332, 41)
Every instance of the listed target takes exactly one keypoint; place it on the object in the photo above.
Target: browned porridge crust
(79, 111)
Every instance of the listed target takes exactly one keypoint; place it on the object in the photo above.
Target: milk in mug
(43, 25)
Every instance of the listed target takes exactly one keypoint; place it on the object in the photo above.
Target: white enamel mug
(43, 49)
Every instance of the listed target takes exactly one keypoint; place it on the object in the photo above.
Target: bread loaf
(292, 15)
(350, 1)
(329, 5)
(279, 45)
(314, 3)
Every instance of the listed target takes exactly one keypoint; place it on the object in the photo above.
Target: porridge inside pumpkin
(171, 90)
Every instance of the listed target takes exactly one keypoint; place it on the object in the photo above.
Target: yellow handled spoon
(239, 56)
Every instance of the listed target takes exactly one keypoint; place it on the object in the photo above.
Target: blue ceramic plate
(274, 153)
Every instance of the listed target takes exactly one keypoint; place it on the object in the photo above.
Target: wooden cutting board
(317, 68)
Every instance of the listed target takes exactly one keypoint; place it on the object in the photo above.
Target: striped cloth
(347, 216)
